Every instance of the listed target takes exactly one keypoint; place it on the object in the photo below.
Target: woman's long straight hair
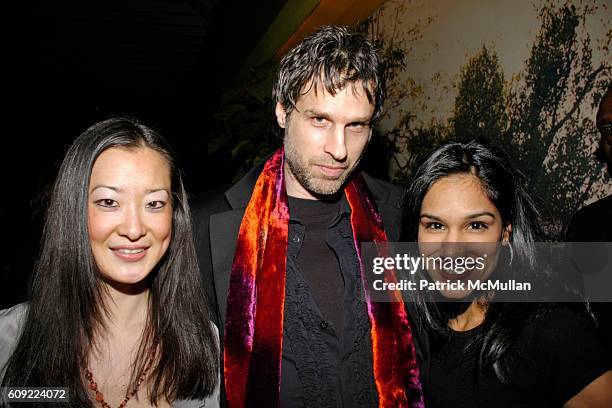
(67, 308)
(503, 186)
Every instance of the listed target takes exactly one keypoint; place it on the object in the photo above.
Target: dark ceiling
(165, 62)
(70, 63)
(106, 49)
(114, 46)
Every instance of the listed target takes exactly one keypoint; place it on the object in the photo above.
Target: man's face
(604, 117)
(325, 137)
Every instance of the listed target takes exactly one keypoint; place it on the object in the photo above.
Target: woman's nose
(452, 243)
(132, 225)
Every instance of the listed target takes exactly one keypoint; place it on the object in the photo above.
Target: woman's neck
(471, 318)
(127, 308)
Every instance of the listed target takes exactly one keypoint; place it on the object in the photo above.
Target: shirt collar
(344, 210)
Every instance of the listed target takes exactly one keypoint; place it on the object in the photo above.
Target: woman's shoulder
(215, 330)
(213, 400)
(11, 323)
(564, 343)
(556, 319)
(554, 328)
(19, 308)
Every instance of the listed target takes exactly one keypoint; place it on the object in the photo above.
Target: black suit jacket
(217, 216)
(592, 223)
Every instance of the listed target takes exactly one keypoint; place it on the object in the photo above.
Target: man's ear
(507, 232)
(281, 115)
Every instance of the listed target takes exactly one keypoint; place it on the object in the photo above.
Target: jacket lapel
(389, 205)
(224, 228)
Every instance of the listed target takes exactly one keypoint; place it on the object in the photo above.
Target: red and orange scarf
(256, 299)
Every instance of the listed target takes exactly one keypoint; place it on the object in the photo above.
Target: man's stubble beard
(317, 186)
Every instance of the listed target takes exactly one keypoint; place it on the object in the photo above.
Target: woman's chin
(456, 294)
(130, 284)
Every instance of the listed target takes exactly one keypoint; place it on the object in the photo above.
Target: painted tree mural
(546, 121)
(543, 116)
(537, 116)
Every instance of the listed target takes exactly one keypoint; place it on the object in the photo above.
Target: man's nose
(335, 144)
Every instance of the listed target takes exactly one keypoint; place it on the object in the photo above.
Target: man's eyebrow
(364, 121)
(312, 112)
(316, 113)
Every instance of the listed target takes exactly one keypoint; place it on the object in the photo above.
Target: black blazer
(217, 216)
(216, 220)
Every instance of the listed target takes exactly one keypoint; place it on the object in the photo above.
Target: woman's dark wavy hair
(502, 184)
(504, 187)
(65, 314)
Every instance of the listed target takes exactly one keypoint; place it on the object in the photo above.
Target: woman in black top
(480, 350)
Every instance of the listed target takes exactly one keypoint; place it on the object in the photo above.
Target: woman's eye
(156, 204)
(434, 225)
(477, 225)
(107, 202)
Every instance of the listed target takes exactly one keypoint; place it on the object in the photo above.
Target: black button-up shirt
(322, 365)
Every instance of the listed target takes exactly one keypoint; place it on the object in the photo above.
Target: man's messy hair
(332, 57)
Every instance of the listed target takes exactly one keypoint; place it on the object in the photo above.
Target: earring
(511, 253)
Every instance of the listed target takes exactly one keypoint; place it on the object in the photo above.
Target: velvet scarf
(256, 298)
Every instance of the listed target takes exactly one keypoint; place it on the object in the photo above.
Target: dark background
(200, 72)
(68, 64)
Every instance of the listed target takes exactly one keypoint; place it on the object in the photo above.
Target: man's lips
(130, 253)
(331, 171)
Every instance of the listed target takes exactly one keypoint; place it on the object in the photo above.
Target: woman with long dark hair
(117, 312)
(483, 350)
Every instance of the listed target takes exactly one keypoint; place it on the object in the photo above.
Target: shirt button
(323, 324)
(295, 239)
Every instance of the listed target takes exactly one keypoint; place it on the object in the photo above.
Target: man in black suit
(593, 223)
(328, 93)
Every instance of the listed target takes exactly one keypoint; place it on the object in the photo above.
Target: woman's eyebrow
(119, 190)
(115, 189)
(155, 190)
(433, 217)
(480, 214)
(467, 217)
